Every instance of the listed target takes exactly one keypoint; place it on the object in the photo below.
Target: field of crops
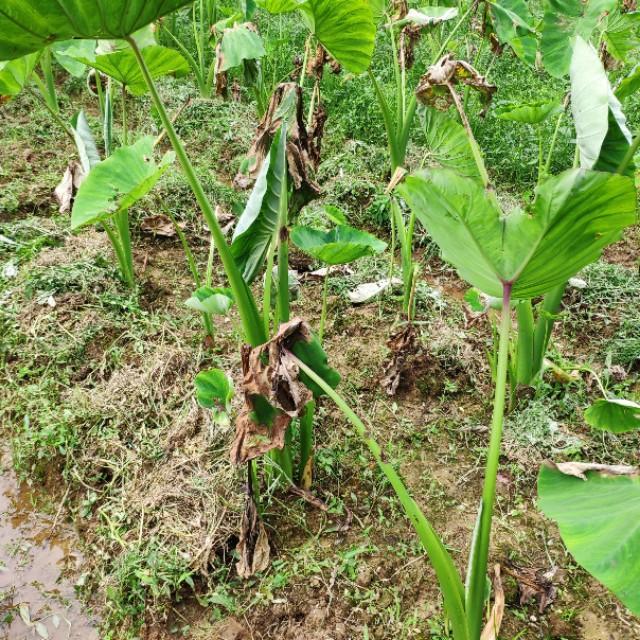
(319, 320)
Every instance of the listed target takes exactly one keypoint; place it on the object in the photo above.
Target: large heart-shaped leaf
(238, 44)
(341, 245)
(621, 34)
(602, 134)
(575, 215)
(123, 66)
(68, 52)
(599, 521)
(448, 144)
(345, 28)
(255, 230)
(31, 25)
(614, 414)
(563, 20)
(15, 74)
(513, 23)
(528, 112)
(118, 183)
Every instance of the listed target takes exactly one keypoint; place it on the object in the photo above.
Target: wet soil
(38, 569)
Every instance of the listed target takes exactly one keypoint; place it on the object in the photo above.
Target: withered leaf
(303, 146)
(273, 393)
(69, 185)
(158, 225)
(253, 546)
(403, 346)
(580, 469)
(534, 583)
(437, 85)
(491, 630)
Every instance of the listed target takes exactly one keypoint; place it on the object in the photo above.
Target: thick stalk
(107, 122)
(389, 126)
(268, 286)
(628, 158)
(251, 320)
(100, 92)
(554, 139)
(478, 572)
(323, 315)
(125, 122)
(448, 577)
(47, 72)
(283, 255)
(124, 234)
(398, 78)
(524, 355)
(544, 326)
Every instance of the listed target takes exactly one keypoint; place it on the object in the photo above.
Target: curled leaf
(614, 414)
(438, 83)
(69, 185)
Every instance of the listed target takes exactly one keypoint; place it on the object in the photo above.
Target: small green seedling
(214, 390)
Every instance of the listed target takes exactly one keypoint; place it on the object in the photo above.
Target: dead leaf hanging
(491, 630)
(273, 393)
(253, 545)
(534, 583)
(65, 192)
(437, 87)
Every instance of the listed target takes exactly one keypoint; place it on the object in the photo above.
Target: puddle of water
(37, 598)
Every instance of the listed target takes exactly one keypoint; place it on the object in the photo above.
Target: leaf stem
(251, 320)
(628, 158)
(323, 315)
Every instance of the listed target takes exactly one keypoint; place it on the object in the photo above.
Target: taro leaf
(123, 66)
(336, 215)
(528, 112)
(275, 391)
(30, 25)
(15, 74)
(436, 85)
(345, 28)
(512, 21)
(629, 85)
(614, 414)
(67, 53)
(563, 20)
(599, 521)
(85, 142)
(257, 225)
(592, 103)
(214, 390)
(241, 42)
(428, 16)
(575, 215)
(118, 182)
(215, 301)
(621, 34)
(448, 145)
(378, 8)
(280, 6)
(341, 245)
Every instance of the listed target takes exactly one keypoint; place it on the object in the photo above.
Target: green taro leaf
(280, 6)
(30, 25)
(314, 356)
(448, 145)
(214, 390)
(513, 23)
(596, 112)
(67, 53)
(341, 245)
(238, 44)
(621, 34)
(336, 215)
(629, 85)
(575, 215)
(15, 74)
(118, 183)
(528, 112)
(255, 230)
(123, 66)
(215, 301)
(599, 521)
(428, 16)
(614, 414)
(563, 20)
(345, 28)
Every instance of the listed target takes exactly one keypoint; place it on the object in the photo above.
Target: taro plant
(519, 255)
(339, 246)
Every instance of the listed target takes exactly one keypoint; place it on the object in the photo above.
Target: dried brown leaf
(253, 546)
(580, 469)
(271, 376)
(65, 192)
(534, 583)
(436, 86)
(492, 628)
(159, 225)
(403, 346)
